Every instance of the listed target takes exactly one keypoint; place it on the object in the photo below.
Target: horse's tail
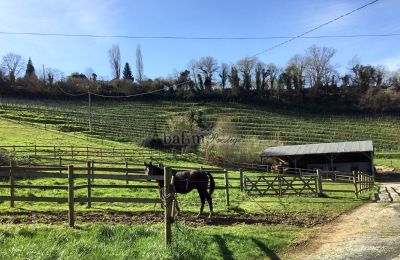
(212, 183)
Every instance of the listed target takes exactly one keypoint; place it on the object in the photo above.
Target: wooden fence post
(92, 172)
(60, 164)
(71, 209)
(280, 185)
(226, 187)
(362, 182)
(126, 167)
(168, 202)
(355, 184)
(35, 150)
(12, 183)
(89, 185)
(319, 181)
(241, 179)
(54, 150)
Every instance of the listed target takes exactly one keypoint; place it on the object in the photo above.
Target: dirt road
(369, 232)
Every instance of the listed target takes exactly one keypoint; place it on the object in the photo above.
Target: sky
(206, 18)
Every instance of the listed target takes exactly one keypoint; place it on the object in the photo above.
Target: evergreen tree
(127, 73)
(30, 69)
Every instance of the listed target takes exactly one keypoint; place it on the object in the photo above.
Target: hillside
(131, 121)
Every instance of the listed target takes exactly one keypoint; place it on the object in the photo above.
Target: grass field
(99, 241)
(275, 224)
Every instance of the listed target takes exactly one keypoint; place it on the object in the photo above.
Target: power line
(200, 37)
(316, 28)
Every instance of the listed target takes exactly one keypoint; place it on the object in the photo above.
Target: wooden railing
(280, 185)
(71, 173)
(305, 181)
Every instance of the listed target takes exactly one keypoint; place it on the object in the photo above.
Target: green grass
(395, 163)
(99, 241)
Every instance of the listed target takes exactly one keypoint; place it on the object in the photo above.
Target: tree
(208, 66)
(139, 65)
(246, 66)
(272, 72)
(30, 69)
(115, 61)
(12, 64)
(319, 69)
(296, 69)
(235, 81)
(192, 66)
(224, 74)
(260, 78)
(366, 76)
(127, 73)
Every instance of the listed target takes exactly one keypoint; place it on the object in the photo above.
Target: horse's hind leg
(209, 200)
(203, 201)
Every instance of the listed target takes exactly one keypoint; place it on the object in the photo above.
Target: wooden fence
(306, 182)
(280, 185)
(87, 152)
(71, 173)
(361, 182)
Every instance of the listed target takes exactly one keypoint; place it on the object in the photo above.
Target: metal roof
(322, 148)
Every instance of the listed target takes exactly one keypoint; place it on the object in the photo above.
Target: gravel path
(369, 232)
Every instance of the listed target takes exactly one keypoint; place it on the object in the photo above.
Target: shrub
(223, 144)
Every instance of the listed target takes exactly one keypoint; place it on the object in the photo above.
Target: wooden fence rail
(13, 171)
(302, 182)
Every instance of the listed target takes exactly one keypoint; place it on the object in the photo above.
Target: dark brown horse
(186, 181)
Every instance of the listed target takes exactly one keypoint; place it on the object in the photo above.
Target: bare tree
(192, 66)
(208, 66)
(139, 65)
(115, 61)
(246, 66)
(319, 69)
(13, 64)
(295, 70)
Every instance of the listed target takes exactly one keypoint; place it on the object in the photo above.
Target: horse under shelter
(339, 156)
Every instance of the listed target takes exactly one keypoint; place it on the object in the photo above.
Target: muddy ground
(151, 217)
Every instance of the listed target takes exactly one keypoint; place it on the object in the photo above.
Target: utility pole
(44, 74)
(90, 112)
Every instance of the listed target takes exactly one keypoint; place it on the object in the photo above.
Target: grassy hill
(131, 121)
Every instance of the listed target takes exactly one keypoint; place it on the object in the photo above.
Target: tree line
(310, 78)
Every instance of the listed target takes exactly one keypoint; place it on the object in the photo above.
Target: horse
(186, 181)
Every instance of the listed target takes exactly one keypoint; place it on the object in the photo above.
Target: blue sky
(204, 18)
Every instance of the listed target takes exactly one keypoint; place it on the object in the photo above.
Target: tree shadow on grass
(265, 249)
(226, 253)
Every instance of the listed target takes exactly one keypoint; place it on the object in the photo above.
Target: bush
(153, 142)
(225, 145)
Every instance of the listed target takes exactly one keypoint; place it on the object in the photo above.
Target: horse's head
(150, 169)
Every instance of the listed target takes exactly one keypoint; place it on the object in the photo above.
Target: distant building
(341, 156)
